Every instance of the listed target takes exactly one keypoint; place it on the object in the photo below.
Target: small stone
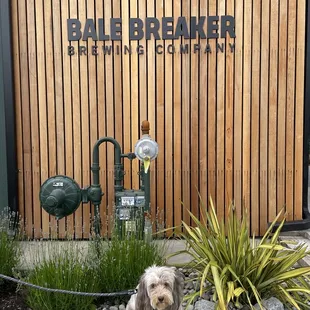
(189, 285)
(121, 307)
(190, 307)
(206, 296)
(204, 305)
(113, 308)
(192, 275)
(273, 304)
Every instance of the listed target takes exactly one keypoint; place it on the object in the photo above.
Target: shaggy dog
(159, 288)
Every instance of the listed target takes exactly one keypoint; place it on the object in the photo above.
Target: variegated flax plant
(242, 270)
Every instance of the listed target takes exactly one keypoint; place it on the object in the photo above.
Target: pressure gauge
(146, 148)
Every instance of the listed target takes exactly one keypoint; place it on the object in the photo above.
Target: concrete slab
(293, 241)
(33, 251)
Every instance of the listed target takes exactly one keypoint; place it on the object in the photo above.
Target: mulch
(12, 299)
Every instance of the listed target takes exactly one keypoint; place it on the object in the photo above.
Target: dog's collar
(132, 292)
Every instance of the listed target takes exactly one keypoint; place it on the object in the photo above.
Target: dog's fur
(160, 288)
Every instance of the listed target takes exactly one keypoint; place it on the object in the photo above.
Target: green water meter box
(130, 206)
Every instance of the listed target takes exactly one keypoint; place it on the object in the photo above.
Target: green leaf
(255, 292)
(289, 297)
(238, 291)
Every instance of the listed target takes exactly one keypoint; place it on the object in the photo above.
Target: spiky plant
(242, 270)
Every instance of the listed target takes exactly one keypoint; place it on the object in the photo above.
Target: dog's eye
(166, 284)
(152, 285)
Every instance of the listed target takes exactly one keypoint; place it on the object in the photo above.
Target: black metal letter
(94, 50)
(197, 27)
(184, 49)
(89, 30)
(116, 29)
(135, 29)
(167, 28)
(171, 49)
(102, 35)
(151, 29)
(74, 29)
(82, 50)
(228, 25)
(140, 50)
(181, 29)
(208, 49)
(157, 49)
(232, 47)
(71, 50)
(213, 27)
(196, 48)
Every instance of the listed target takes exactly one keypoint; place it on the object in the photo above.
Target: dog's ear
(177, 290)
(142, 300)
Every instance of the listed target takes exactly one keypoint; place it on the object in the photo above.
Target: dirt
(10, 299)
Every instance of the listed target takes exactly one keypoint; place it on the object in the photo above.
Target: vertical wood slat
(50, 91)
(194, 125)
(151, 100)
(299, 108)
(220, 123)
(238, 107)
(203, 115)
(68, 119)
(272, 119)
(282, 105)
(102, 130)
(256, 52)
(76, 112)
(59, 107)
(85, 115)
(223, 121)
(35, 154)
(246, 106)
(169, 163)
(42, 105)
(109, 120)
(26, 122)
(127, 93)
(186, 121)
(290, 105)
(229, 114)
(212, 111)
(160, 122)
(177, 128)
(18, 110)
(263, 147)
(134, 85)
(88, 211)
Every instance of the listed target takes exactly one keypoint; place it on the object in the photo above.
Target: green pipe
(95, 193)
(117, 158)
(147, 191)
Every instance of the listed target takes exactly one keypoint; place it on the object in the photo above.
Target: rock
(113, 308)
(121, 307)
(204, 305)
(273, 304)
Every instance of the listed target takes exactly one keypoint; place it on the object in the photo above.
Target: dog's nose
(160, 298)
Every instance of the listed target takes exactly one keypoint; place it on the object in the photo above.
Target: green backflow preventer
(60, 195)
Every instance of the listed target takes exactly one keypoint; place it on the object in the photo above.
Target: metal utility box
(130, 205)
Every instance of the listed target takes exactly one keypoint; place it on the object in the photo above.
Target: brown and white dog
(160, 288)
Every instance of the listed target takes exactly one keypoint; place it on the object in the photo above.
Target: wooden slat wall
(227, 124)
